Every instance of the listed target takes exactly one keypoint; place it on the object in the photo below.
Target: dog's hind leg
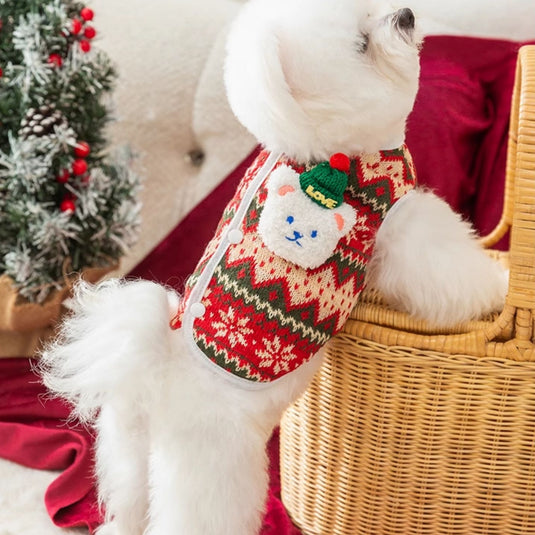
(122, 468)
(208, 469)
(210, 484)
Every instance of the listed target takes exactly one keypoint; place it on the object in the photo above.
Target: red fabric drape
(34, 432)
(458, 129)
(457, 135)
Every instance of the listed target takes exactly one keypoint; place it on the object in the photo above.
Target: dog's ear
(257, 88)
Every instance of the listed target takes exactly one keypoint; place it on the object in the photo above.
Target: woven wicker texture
(412, 430)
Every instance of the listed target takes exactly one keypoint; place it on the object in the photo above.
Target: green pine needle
(37, 238)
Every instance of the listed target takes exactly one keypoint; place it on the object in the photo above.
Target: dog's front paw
(428, 262)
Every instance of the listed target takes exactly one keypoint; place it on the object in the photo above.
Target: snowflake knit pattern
(261, 316)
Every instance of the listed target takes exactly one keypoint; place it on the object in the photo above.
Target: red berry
(1, 72)
(76, 26)
(85, 45)
(90, 32)
(86, 179)
(341, 162)
(63, 177)
(87, 14)
(79, 167)
(82, 149)
(56, 60)
(67, 205)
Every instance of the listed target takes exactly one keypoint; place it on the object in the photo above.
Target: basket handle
(519, 198)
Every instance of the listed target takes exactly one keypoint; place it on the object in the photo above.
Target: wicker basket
(409, 430)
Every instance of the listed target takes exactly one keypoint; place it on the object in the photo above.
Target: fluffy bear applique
(305, 214)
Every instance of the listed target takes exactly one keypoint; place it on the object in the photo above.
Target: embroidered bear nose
(296, 237)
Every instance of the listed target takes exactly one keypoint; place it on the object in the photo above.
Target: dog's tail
(113, 344)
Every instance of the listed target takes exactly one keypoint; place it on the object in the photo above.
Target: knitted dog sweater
(257, 316)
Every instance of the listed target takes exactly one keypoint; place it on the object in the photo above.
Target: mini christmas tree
(64, 205)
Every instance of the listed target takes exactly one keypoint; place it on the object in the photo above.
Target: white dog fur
(180, 449)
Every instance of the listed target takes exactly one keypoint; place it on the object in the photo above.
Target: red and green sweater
(256, 316)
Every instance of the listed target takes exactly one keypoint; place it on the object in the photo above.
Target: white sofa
(170, 100)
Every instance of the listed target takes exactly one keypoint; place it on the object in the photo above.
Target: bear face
(298, 229)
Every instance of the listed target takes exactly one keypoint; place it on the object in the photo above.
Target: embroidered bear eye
(314, 234)
(290, 219)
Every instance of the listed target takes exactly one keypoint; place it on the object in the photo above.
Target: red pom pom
(63, 177)
(76, 26)
(82, 149)
(67, 205)
(56, 60)
(85, 45)
(87, 14)
(341, 162)
(90, 32)
(79, 167)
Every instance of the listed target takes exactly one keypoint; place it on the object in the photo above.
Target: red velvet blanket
(457, 135)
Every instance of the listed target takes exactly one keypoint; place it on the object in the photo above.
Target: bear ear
(340, 221)
(285, 189)
(345, 218)
(283, 180)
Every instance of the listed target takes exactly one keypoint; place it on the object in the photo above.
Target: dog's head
(311, 78)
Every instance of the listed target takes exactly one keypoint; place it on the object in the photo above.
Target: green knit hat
(325, 185)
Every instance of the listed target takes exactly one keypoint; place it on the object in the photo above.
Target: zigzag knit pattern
(265, 316)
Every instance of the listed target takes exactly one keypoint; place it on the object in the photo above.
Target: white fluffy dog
(181, 437)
